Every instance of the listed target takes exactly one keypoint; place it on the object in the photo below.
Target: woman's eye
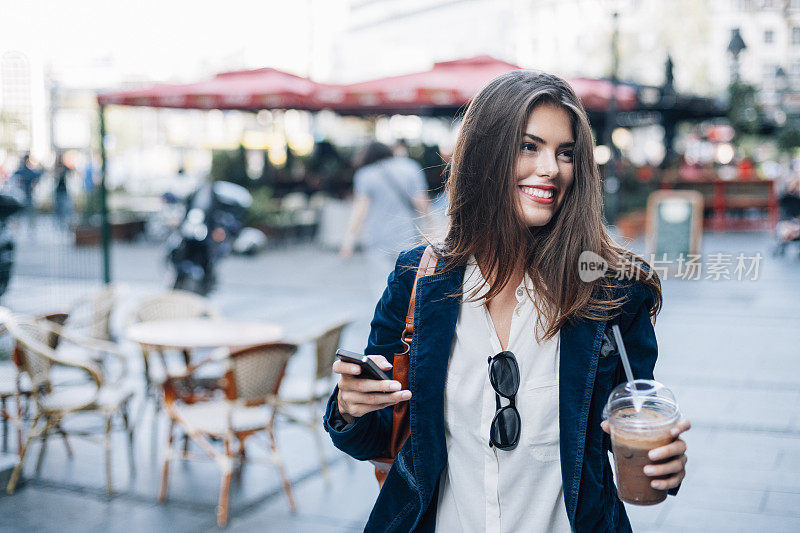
(567, 155)
(528, 147)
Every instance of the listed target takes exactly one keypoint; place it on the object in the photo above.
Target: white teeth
(539, 193)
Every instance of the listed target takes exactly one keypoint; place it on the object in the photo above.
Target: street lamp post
(105, 228)
(781, 86)
(735, 47)
(611, 181)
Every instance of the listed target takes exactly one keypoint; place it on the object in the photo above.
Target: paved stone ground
(729, 350)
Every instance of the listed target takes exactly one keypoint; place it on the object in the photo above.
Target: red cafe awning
(446, 86)
(595, 94)
(265, 88)
(454, 84)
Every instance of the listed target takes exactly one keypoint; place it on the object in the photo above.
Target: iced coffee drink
(639, 423)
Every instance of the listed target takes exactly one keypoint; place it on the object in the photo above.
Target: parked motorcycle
(214, 217)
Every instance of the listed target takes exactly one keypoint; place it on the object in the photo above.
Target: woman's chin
(535, 220)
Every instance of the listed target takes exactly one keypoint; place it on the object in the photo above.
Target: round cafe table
(197, 333)
(190, 334)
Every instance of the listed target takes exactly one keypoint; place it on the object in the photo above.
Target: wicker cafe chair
(57, 402)
(17, 387)
(303, 403)
(173, 305)
(252, 379)
(90, 316)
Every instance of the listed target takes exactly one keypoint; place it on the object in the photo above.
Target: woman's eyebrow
(539, 140)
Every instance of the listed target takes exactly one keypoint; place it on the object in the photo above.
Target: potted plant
(87, 229)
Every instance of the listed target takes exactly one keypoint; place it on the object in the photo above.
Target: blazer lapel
(580, 349)
(436, 310)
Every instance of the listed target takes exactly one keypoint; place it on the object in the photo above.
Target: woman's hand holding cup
(358, 396)
(669, 461)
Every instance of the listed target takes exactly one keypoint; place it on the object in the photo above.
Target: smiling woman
(509, 364)
(526, 131)
(544, 165)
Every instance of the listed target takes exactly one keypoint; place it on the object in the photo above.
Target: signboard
(674, 225)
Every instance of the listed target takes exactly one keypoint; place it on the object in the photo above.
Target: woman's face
(545, 163)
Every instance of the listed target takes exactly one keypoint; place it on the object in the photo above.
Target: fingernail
(654, 455)
(656, 484)
(649, 470)
(674, 431)
(406, 395)
(394, 385)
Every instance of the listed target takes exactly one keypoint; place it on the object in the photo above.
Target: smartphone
(369, 370)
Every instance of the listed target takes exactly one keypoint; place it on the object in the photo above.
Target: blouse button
(520, 292)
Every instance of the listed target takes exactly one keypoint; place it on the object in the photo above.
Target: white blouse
(483, 488)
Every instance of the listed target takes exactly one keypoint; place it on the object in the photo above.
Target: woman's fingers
(373, 399)
(664, 469)
(369, 385)
(350, 369)
(358, 396)
(682, 425)
(672, 449)
(381, 361)
(670, 482)
(359, 404)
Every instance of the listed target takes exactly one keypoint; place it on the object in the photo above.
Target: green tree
(231, 165)
(789, 137)
(744, 113)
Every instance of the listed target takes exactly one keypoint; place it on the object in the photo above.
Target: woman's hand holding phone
(358, 396)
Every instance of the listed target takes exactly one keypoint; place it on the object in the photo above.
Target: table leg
(4, 414)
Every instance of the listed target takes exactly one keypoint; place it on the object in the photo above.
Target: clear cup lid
(652, 406)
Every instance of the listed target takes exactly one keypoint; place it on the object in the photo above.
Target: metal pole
(51, 111)
(105, 229)
(611, 183)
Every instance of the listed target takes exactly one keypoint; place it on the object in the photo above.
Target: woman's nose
(546, 165)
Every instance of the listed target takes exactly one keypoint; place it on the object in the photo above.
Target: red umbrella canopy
(265, 88)
(447, 84)
(595, 94)
(455, 83)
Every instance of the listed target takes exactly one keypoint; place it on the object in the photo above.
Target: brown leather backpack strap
(427, 266)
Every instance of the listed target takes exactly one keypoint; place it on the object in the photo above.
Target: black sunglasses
(506, 424)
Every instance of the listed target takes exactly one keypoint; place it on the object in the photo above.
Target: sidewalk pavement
(728, 348)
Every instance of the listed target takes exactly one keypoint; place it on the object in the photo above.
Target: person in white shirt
(389, 203)
(509, 366)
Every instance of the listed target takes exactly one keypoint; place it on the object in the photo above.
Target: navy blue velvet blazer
(590, 367)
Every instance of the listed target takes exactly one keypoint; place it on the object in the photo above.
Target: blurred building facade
(573, 38)
(47, 102)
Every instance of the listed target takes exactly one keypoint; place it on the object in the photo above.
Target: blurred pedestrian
(400, 148)
(789, 192)
(390, 204)
(25, 178)
(61, 199)
(510, 361)
(89, 172)
(788, 227)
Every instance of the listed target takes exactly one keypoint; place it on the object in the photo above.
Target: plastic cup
(634, 433)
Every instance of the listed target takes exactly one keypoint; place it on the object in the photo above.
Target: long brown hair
(485, 217)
